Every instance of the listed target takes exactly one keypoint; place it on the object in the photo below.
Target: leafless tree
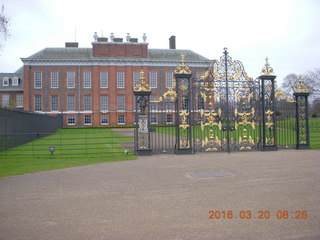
(311, 80)
(4, 26)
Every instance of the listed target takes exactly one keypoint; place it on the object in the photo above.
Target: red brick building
(94, 86)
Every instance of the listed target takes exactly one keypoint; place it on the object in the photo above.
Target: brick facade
(111, 57)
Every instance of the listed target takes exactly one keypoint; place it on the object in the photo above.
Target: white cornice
(111, 62)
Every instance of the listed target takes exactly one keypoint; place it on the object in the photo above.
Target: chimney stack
(172, 42)
(72, 44)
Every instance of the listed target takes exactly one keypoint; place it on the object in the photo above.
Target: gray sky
(287, 31)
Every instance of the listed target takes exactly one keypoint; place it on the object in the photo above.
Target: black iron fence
(16, 126)
(71, 143)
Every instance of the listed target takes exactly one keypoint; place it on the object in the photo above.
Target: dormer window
(15, 81)
(5, 82)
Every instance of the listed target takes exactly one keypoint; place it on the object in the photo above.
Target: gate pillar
(267, 98)
(302, 115)
(183, 111)
(142, 94)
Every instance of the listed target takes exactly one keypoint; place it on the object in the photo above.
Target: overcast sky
(287, 31)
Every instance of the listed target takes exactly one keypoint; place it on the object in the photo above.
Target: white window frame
(88, 123)
(153, 77)
(136, 78)
(104, 103)
(169, 79)
(152, 115)
(19, 100)
(54, 103)
(119, 99)
(71, 103)
(35, 103)
(153, 104)
(71, 123)
(124, 119)
(5, 100)
(87, 79)
(37, 79)
(15, 81)
(71, 79)
(104, 79)
(171, 117)
(86, 103)
(107, 118)
(55, 79)
(5, 81)
(120, 79)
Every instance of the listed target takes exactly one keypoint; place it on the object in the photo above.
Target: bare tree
(289, 83)
(4, 26)
(311, 80)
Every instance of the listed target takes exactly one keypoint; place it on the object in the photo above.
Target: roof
(86, 53)
(19, 74)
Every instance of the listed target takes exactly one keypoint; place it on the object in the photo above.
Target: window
(121, 103)
(103, 79)
(154, 119)
(153, 79)
(121, 119)
(199, 74)
(54, 80)
(136, 78)
(87, 103)
(104, 102)
(169, 119)
(37, 103)
(169, 104)
(19, 100)
(70, 103)
(169, 77)
(104, 119)
(71, 120)
(135, 100)
(153, 104)
(87, 79)
(54, 103)
(87, 120)
(5, 81)
(185, 103)
(15, 81)
(5, 100)
(120, 79)
(200, 103)
(70, 79)
(37, 79)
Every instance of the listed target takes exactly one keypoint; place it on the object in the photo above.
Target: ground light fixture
(52, 149)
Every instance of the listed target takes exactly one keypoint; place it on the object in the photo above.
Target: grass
(286, 133)
(74, 147)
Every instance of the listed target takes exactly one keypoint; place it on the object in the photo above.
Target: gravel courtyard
(169, 197)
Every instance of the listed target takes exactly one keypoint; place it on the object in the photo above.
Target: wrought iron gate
(222, 110)
(226, 117)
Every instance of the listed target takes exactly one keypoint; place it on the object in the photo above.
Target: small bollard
(52, 149)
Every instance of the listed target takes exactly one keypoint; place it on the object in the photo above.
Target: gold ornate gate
(226, 111)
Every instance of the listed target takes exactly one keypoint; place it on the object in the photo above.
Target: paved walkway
(164, 197)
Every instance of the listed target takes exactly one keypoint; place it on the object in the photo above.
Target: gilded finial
(301, 86)
(142, 85)
(267, 70)
(182, 59)
(142, 74)
(183, 68)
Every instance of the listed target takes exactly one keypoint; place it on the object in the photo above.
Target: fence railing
(15, 126)
(70, 143)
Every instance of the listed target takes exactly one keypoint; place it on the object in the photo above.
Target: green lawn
(286, 133)
(73, 147)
